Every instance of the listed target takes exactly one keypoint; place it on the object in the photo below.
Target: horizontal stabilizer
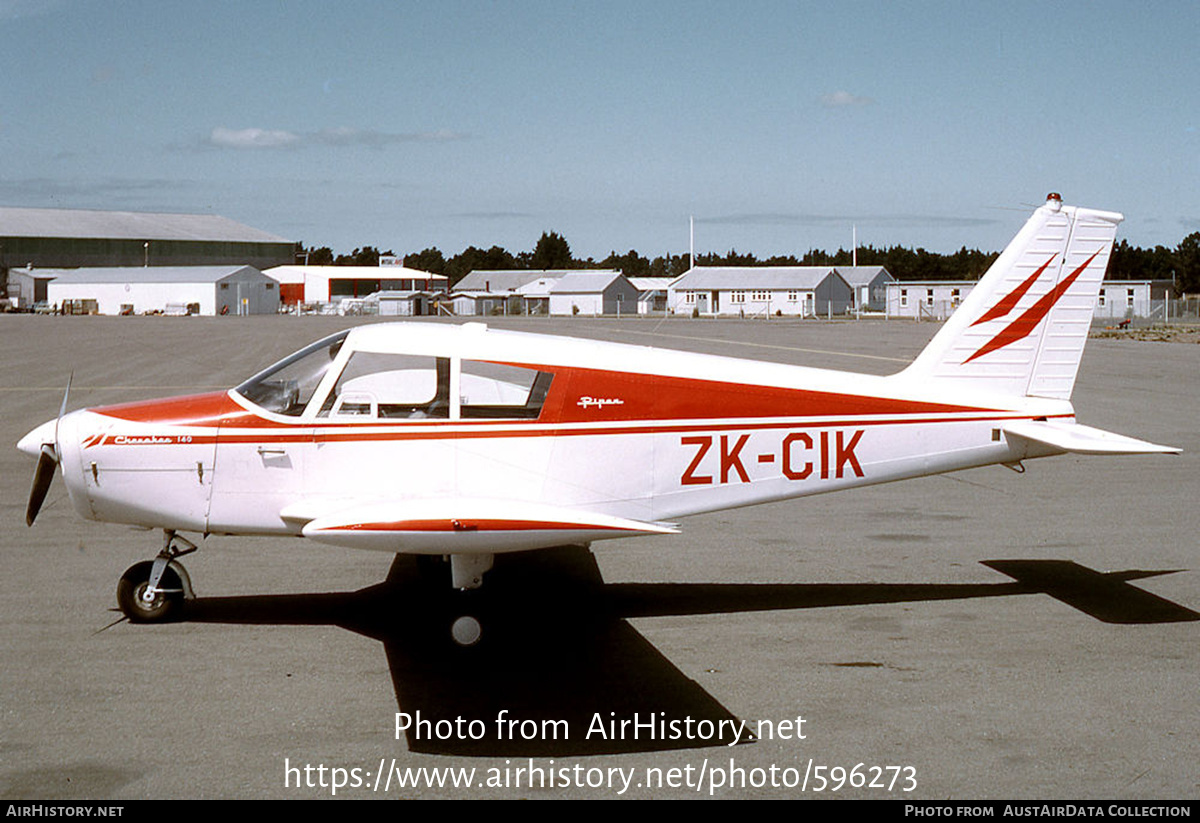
(1072, 437)
(469, 526)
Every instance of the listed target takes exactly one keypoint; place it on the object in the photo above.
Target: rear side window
(496, 390)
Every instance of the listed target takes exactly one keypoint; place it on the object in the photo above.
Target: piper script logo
(599, 402)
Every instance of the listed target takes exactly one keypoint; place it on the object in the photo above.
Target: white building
(1120, 299)
(207, 290)
(937, 299)
(604, 291)
(926, 299)
(331, 284)
(28, 286)
(761, 291)
(403, 303)
(514, 291)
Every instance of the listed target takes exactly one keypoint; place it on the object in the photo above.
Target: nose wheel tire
(160, 607)
(466, 631)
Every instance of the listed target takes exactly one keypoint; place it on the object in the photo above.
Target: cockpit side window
(395, 386)
(287, 386)
(496, 390)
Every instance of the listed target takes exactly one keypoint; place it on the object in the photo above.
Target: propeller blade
(43, 475)
(48, 461)
(61, 411)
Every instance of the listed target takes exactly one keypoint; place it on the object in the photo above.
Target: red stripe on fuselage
(443, 431)
(472, 525)
(657, 397)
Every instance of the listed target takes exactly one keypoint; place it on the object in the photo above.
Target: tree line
(552, 251)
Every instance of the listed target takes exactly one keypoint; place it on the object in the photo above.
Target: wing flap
(470, 526)
(1072, 437)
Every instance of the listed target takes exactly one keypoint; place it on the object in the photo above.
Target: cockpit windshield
(287, 386)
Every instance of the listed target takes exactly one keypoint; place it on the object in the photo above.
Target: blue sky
(777, 125)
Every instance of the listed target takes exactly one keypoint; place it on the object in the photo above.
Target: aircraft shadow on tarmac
(557, 645)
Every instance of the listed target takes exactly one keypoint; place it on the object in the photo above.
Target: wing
(464, 526)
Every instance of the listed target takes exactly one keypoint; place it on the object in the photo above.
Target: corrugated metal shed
(862, 275)
(585, 282)
(125, 225)
(650, 283)
(495, 280)
(538, 288)
(156, 274)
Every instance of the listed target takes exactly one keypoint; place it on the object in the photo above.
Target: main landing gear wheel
(141, 606)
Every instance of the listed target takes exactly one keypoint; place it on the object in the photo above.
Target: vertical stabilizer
(1022, 329)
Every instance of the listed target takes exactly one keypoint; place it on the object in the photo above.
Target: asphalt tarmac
(980, 635)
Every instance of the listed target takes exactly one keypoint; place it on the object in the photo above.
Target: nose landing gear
(466, 573)
(153, 591)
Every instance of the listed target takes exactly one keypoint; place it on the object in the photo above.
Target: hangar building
(71, 238)
(208, 290)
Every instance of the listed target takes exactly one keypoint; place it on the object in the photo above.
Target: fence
(1152, 312)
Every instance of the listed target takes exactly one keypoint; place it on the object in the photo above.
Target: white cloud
(843, 99)
(341, 136)
(252, 138)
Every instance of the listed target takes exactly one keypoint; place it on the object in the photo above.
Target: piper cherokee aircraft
(464, 442)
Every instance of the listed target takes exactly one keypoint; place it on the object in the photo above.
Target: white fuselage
(628, 432)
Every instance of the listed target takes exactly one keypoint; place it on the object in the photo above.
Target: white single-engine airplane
(465, 442)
